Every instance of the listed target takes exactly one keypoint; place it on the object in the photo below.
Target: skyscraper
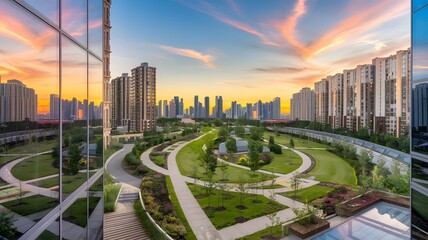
(365, 97)
(54, 106)
(234, 113)
(207, 107)
(143, 98)
(177, 105)
(303, 105)
(249, 109)
(335, 100)
(321, 104)
(196, 107)
(276, 108)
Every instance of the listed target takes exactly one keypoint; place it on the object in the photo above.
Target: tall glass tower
(419, 120)
(51, 134)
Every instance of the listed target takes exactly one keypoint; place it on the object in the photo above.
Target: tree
(365, 158)
(291, 143)
(273, 219)
(224, 172)
(223, 134)
(209, 159)
(295, 182)
(240, 131)
(271, 140)
(256, 133)
(254, 158)
(7, 229)
(242, 189)
(231, 145)
(75, 155)
(218, 122)
(210, 186)
(363, 133)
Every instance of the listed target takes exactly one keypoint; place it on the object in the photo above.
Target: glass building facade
(419, 120)
(54, 57)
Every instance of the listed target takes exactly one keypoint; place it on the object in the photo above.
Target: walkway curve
(6, 174)
(114, 167)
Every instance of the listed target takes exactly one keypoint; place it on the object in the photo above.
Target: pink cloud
(205, 58)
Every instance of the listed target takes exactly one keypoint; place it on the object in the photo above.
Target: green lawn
(188, 161)
(276, 231)
(284, 163)
(284, 139)
(227, 217)
(37, 147)
(77, 214)
(159, 160)
(31, 204)
(70, 182)
(271, 186)
(46, 235)
(419, 202)
(331, 168)
(34, 167)
(6, 159)
(189, 235)
(308, 194)
(112, 148)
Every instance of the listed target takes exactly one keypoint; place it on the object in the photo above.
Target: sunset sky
(247, 50)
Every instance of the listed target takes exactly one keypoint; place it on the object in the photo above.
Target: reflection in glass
(420, 45)
(74, 19)
(49, 8)
(420, 117)
(95, 27)
(419, 169)
(28, 134)
(419, 210)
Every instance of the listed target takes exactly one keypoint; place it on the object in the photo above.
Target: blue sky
(248, 50)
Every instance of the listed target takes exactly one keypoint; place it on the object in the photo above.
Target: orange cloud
(205, 58)
(288, 26)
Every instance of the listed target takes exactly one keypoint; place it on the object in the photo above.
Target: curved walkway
(6, 174)
(114, 167)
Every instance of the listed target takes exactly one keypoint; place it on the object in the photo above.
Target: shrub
(131, 160)
(275, 148)
(307, 215)
(231, 145)
(142, 170)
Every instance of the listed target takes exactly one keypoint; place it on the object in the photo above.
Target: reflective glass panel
(29, 138)
(95, 27)
(74, 19)
(49, 8)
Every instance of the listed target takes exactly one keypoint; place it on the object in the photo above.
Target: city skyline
(283, 48)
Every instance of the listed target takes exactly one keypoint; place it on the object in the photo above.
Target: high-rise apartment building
(276, 108)
(303, 105)
(143, 98)
(159, 109)
(181, 108)
(219, 106)
(392, 81)
(67, 66)
(172, 109)
(120, 100)
(17, 102)
(349, 99)
(165, 109)
(364, 101)
(249, 112)
(196, 107)
(419, 121)
(322, 101)
(234, 109)
(177, 105)
(335, 100)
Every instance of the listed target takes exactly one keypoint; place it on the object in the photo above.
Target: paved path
(198, 220)
(145, 158)
(123, 224)
(6, 175)
(114, 168)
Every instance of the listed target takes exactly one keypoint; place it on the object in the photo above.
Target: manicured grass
(77, 214)
(46, 235)
(6, 159)
(331, 168)
(112, 148)
(34, 167)
(188, 161)
(179, 211)
(110, 194)
(308, 194)
(34, 147)
(271, 186)
(275, 231)
(159, 160)
(69, 182)
(284, 163)
(284, 139)
(31, 204)
(228, 215)
(419, 202)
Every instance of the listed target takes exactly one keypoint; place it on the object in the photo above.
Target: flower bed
(304, 231)
(339, 194)
(357, 204)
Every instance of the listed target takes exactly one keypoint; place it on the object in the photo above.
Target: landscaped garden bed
(158, 204)
(226, 208)
(304, 231)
